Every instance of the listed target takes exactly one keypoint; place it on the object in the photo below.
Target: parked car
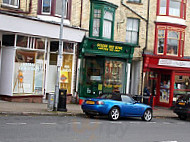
(116, 106)
(182, 107)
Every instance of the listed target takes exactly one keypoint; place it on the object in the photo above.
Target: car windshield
(111, 96)
(127, 99)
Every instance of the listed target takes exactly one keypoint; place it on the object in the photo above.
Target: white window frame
(132, 31)
(43, 8)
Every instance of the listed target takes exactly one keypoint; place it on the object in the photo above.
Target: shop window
(54, 46)
(28, 72)
(54, 7)
(114, 76)
(175, 8)
(22, 41)
(102, 20)
(66, 73)
(169, 41)
(68, 47)
(181, 86)
(12, 3)
(39, 43)
(132, 33)
(8, 40)
(46, 6)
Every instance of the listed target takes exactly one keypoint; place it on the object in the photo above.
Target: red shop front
(166, 78)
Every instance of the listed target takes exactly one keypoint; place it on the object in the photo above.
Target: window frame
(53, 9)
(166, 29)
(183, 5)
(47, 13)
(132, 30)
(102, 6)
(10, 5)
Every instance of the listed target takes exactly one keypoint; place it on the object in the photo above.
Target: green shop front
(104, 67)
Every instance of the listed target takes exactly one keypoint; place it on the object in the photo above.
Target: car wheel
(147, 116)
(114, 113)
(182, 116)
(89, 115)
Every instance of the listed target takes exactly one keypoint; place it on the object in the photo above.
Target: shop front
(28, 58)
(104, 67)
(166, 78)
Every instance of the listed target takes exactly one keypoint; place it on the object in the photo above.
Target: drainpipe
(20, 11)
(146, 44)
(146, 41)
(81, 7)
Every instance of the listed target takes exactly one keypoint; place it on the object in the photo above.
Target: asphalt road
(82, 129)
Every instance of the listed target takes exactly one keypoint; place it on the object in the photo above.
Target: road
(83, 129)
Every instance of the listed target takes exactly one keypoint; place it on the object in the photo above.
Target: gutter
(81, 10)
(20, 11)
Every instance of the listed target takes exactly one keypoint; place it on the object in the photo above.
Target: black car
(182, 107)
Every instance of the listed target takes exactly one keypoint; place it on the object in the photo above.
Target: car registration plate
(181, 104)
(90, 102)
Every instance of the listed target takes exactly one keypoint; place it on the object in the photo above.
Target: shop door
(94, 76)
(164, 94)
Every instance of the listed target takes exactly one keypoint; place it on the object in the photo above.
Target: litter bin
(62, 100)
(51, 98)
(146, 99)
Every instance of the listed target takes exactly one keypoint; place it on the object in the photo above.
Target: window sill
(138, 3)
(11, 7)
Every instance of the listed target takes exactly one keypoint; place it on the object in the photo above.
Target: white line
(74, 123)
(135, 122)
(167, 124)
(168, 141)
(16, 123)
(95, 122)
(116, 122)
(48, 123)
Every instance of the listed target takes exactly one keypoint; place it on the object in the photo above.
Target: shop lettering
(111, 48)
(174, 63)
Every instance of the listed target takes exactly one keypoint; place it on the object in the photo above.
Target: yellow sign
(110, 48)
(64, 77)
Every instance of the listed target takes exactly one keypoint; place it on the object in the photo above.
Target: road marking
(167, 123)
(168, 141)
(16, 123)
(48, 123)
(116, 122)
(95, 122)
(135, 122)
(74, 123)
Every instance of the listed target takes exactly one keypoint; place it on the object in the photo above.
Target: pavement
(14, 108)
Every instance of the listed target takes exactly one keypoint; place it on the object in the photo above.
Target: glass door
(164, 88)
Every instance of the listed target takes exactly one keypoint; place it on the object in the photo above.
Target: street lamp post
(59, 58)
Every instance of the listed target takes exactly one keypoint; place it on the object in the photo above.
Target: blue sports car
(116, 106)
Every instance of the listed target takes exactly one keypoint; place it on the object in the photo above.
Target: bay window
(102, 20)
(169, 41)
(176, 8)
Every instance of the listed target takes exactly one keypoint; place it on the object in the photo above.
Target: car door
(129, 106)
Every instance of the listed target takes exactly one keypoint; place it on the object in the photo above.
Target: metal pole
(59, 58)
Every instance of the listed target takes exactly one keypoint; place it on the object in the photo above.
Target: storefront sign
(107, 47)
(174, 63)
